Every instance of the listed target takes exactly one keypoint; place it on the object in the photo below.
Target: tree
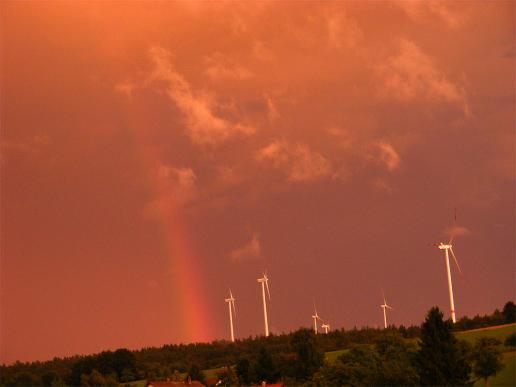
(195, 373)
(358, 367)
(127, 376)
(23, 379)
(487, 358)
(510, 341)
(264, 367)
(49, 378)
(509, 312)
(123, 362)
(309, 355)
(242, 371)
(228, 377)
(97, 379)
(441, 359)
(396, 366)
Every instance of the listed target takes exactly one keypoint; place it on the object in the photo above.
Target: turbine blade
(233, 305)
(453, 228)
(389, 307)
(383, 295)
(456, 261)
(267, 286)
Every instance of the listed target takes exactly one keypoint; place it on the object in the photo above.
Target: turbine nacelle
(231, 302)
(449, 247)
(265, 280)
(231, 298)
(443, 246)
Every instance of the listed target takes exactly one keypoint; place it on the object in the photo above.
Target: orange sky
(155, 154)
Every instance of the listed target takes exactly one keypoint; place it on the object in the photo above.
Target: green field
(333, 355)
(507, 376)
(212, 373)
(501, 333)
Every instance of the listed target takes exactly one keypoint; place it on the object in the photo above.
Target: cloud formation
(220, 68)
(297, 161)
(250, 250)
(388, 155)
(126, 88)
(268, 122)
(175, 188)
(439, 9)
(342, 32)
(204, 126)
(411, 74)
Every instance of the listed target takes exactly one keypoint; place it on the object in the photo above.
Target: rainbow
(188, 306)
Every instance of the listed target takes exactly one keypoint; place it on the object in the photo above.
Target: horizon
(155, 155)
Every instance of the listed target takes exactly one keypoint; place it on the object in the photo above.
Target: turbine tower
(384, 306)
(265, 284)
(315, 317)
(448, 249)
(326, 328)
(232, 310)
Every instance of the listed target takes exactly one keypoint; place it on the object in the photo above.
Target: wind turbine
(264, 281)
(448, 249)
(384, 306)
(315, 317)
(231, 304)
(326, 327)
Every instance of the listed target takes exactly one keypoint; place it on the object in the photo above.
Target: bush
(510, 341)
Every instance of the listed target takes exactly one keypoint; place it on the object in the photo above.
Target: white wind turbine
(384, 306)
(315, 317)
(448, 249)
(326, 327)
(232, 310)
(265, 284)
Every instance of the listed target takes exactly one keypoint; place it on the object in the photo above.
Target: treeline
(167, 361)
(249, 360)
(506, 316)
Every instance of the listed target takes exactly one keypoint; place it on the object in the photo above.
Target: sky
(155, 155)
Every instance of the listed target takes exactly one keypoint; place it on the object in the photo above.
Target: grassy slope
(506, 377)
(501, 332)
(333, 355)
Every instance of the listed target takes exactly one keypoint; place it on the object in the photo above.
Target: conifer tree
(441, 359)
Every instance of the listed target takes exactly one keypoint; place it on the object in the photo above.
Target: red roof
(168, 383)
